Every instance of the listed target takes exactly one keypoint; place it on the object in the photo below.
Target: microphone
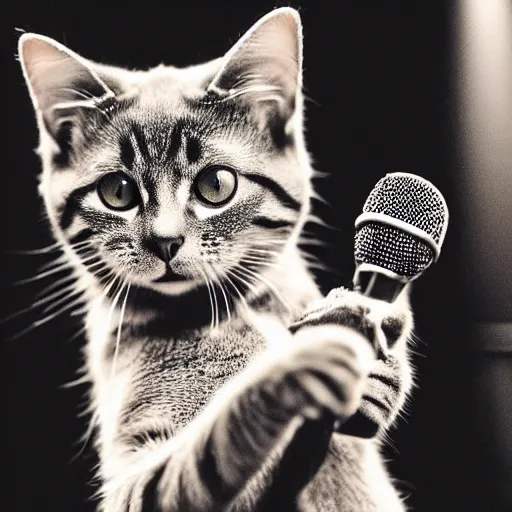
(399, 234)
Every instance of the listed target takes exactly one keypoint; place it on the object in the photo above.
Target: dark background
(380, 78)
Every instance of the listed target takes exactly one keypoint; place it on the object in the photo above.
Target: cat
(222, 379)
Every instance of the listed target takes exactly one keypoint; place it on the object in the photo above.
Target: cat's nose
(167, 248)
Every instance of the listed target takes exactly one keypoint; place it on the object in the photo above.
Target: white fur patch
(204, 212)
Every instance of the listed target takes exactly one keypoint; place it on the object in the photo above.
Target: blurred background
(414, 86)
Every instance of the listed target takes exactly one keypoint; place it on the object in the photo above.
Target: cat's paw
(388, 326)
(386, 387)
(382, 323)
(323, 374)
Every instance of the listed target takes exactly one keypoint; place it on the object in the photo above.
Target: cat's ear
(59, 81)
(265, 66)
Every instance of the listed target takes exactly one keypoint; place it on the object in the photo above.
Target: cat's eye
(215, 186)
(118, 191)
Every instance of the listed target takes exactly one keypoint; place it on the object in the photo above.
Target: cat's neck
(284, 287)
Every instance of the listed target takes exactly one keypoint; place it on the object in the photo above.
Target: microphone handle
(376, 285)
(379, 286)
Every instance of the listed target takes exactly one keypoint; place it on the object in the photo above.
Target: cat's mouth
(170, 277)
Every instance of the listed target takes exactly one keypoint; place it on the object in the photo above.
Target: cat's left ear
(60, 82)
(265, 66)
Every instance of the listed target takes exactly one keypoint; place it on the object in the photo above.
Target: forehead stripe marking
(194, 151)
(140, 145)
(277, 190)
(175, 140)
(127, 153)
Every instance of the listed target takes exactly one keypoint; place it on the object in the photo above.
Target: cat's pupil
(122, 190)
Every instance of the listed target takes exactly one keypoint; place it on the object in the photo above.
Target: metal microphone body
(398, 235)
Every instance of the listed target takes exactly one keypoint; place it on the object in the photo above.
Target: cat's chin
(174, 287)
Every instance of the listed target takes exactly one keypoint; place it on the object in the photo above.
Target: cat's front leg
(319, 372)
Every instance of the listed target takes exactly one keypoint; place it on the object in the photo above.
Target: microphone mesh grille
(412, 200)
(393, 249)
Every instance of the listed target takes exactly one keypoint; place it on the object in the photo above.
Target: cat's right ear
(264, 68)
(59, 80)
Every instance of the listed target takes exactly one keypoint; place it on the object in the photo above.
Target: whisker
(44, 250)
(312, 241)
(262, 262)
(110, 284)
(314, 194)
(242, 298)
(109, 318)
(76, 245)
(309, 256)
(56, 284)
(64, 292)
(267, 239)
(243, 280)
(38, 277)
(313, 262)
(76, 382)
(52, 264)
(78, 333)
(39, 323)
(88, 101)
(314, 219)
(119, 328)
(88, 434)
(264, 251)
(50, 307)
(256, 89)
(81, 92)
(270, 286)
(217, 320)
(324, 268)
(207, 281)
(223, 293)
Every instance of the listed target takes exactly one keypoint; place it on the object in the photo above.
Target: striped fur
(222, 380)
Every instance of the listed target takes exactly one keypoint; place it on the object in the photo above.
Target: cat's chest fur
(184, 373)
(177, 375)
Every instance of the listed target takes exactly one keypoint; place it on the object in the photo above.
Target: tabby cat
(221, 379)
